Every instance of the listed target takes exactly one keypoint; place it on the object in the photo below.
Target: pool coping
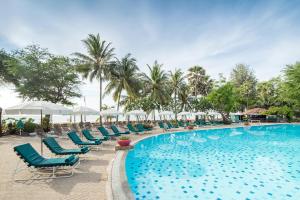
(118, 187)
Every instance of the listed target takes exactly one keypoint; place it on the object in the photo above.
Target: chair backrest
(87, 134)
(30, 156)
(103, 131)
(130, 127)
(52, 144)
(140, 127)
(161, 124)
(74, 137)
(115, 129)
(169, 124)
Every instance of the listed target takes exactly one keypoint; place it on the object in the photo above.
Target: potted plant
(124, 141)
(190, 127)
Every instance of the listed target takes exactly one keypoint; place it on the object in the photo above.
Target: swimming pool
(259, 162)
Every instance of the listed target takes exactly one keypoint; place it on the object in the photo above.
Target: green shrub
(29, 126)
(124, 138)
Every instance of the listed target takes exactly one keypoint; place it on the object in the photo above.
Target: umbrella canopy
(165, 113)
(36, 107)
(110, 113)
(200, 113)
(213, 113)
(136, 113)
(81, 110)
(184, 113)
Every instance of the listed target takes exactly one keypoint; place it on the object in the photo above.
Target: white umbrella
(199, 113)
(165, 113)
(38, 108)
(136, 113)
(82, 110)
(213, 113)
(184, 113)
(110, 113)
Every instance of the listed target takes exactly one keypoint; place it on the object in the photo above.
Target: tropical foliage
(96, 64)
(223, 99)
(40, 75)
(200, 83)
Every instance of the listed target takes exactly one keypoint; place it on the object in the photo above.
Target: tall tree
(184, 98)
(6, 72)
(223, 99)
(243, 78)
(291, 85)
(156, 84)
(97, 62)
(199, 81)
(176, 82)
(124, 76)
(269, 93)
(43, 76)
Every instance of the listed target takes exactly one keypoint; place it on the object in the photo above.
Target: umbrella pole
(41, 132)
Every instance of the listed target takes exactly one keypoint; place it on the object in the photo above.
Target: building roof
(255, 111)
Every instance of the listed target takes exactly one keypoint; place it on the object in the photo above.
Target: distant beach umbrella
(110, 113)
(199, 113)
(136, 113)
(166, 113)
(83, 111)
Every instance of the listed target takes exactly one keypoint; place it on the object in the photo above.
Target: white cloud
(263, 36)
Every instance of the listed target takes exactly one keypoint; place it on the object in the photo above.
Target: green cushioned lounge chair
(76, 140)
(181, 124)
(116, 130)
(44, 168)
(132, 129)
(105, 132)
(162, 125)
(141, 128)
(171, 125)
(55, 148)
(87, 134)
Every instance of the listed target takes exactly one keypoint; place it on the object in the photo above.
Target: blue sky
(215, 34)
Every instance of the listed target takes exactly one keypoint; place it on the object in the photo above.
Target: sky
(215, 34)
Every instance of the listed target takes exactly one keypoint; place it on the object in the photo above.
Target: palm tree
(176, 82)
(184, 98)
(156, 84)
(124, 76)
(96, 63)
(200, 83)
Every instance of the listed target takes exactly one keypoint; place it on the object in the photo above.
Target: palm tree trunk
(175, 105)
(100, 79)
(118, 105)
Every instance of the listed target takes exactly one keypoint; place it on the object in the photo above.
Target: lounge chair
(76, 140)
(181, 124)
(163, 126)
(171, 125)
(141, 128)
(116, 130)
(55, 148)
(132, 129)
(38, 165)
(87, 134)
(105, 132)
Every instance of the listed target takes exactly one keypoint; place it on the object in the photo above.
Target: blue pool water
(260, 163)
